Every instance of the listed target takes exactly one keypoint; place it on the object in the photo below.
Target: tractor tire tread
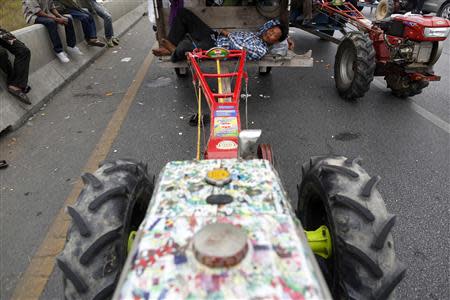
(89, 178)
(78, 221)
(364, 65)
(364, 259)
(361, 227)
(355, 206)
(76, 280)
(390, 282)
(91, 263)
(339, 169)
(98, 244)
(107, 196)
(381, 234)
(370, 186)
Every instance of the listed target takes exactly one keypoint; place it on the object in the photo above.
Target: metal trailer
(245, 17)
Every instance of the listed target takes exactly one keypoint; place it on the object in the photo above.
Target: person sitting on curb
(44, 12)
(16, 75)
(96, 8)
(189, 31)
(87, 22)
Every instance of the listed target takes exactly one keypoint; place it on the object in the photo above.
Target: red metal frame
(225, 119)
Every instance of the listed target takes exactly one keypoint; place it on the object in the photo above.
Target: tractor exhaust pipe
(247, 142)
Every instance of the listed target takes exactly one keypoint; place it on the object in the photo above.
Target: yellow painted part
(131, 238)
(219, 80)
(218, 174)
(320, 241)
(199, 122)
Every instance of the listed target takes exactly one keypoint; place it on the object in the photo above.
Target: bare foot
(161, 52)
(168, 45)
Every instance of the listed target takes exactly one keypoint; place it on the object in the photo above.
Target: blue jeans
(106, 16)
(52, 28)
(87, 22)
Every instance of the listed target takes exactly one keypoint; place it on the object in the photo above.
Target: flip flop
(3, 164)
(19, 94)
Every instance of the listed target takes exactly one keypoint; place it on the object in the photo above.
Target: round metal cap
(219, 245)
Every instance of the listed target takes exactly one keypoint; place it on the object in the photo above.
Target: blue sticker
(225, 107)
(225, 113)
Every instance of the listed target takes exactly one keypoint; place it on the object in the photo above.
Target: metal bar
(237, 88)
(321, 34)
(222, 95)
(210, 75)
(205, 87)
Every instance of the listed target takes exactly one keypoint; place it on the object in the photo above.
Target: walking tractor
(402, 48)
(221, 226)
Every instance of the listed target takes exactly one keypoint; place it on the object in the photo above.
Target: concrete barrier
(47, 74)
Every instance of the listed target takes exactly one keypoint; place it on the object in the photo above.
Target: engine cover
(414, 26)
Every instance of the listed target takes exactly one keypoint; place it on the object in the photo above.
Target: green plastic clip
(131, 238)
(320, 241)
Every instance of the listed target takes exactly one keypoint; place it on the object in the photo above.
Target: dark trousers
(189, 32)
(87, 22)
(17, 74)
(52, 28)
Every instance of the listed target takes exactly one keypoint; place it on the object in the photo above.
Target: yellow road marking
(33, 281)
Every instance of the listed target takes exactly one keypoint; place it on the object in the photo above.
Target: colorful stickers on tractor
(278, 264)
(227, 125)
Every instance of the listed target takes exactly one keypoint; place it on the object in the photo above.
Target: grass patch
(11, 16)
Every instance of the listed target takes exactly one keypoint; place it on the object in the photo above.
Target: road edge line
(35, 278)
(421, 111)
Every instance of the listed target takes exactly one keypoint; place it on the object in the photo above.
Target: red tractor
(402, 48)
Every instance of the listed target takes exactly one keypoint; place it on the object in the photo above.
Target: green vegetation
(11, 16)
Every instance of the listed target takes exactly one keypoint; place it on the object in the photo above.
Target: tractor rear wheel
(265, 151)
(403, 87)
(354, 65)
(338, 192)
(385, 8)
(444, 11)
(112, 203)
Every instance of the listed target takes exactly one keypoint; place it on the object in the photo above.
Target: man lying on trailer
(189, 32)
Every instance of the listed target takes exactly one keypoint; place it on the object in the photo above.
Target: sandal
(3, 164)
(161, 52)
(19, 94)
(95, 43)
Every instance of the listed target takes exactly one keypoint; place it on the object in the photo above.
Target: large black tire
(444, 11)
(338, 193)
(403, 87)
(354, 65)
(112, 203)
(385, 9)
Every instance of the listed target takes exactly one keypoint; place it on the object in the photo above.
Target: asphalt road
(303, 116)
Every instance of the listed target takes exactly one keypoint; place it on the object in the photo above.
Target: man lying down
(189, 32)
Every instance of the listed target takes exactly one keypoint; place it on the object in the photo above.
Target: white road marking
(420, 110)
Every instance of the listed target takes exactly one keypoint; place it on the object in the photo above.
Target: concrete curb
(49, 78)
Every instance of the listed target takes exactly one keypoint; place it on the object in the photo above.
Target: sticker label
(225, 107)
(225, 113)
(225, 126)
(226, 145)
